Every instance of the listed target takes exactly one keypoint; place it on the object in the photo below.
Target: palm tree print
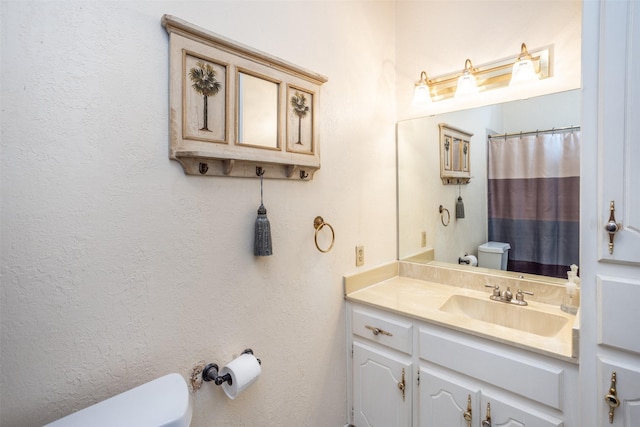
(300, 108)
(204, 81)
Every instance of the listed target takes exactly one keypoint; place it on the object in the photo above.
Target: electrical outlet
(359, 256)
(423, 239)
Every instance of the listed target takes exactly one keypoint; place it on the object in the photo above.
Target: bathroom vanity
(429, 348)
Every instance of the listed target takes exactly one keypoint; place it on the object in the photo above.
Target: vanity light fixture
(525, 68)
(523, 71)
(421, 94)
(467, 84)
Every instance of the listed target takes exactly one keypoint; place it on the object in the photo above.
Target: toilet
(163, 402)
(493, 255)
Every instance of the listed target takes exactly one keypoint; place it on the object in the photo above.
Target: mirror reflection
(454, 152)
(257, 111)
(421, 192)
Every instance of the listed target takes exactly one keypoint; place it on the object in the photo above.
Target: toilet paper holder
(210, 372)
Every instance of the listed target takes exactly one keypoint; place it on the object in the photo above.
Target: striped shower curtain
(534, 200)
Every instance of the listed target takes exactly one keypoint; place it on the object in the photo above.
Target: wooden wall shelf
(234, 108)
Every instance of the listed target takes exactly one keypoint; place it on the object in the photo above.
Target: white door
(619, 129)
(447, 402)
(610, 276)
(382, 388)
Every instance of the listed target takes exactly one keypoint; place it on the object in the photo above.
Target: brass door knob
(611, 398)
(612, 227)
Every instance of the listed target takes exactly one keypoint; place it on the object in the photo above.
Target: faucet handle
(520, 295)
(496, 289)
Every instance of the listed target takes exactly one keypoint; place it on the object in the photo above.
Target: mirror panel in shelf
(258, 123)
(420, 188)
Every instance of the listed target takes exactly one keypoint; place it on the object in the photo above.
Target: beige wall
(117, 268)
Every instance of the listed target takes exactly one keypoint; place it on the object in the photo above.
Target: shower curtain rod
(535, 132)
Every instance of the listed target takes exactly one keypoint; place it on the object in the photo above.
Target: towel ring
(318, 224)
(442, 210)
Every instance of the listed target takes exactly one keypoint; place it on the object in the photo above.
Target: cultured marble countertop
(422, 299)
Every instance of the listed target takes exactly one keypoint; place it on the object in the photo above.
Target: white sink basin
(508, 315)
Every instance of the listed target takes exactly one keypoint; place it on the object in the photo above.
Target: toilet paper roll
(244, 371)
(473, 261)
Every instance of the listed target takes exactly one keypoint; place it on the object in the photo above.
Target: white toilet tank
(493, 255)
(163, 402)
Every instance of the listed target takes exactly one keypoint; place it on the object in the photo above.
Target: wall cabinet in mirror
(234, 108)
(455, 155)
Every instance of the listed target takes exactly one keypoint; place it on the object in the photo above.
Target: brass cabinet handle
(402, 386)
(487, 421)
(377, 331)
(612, 397)
(468, 416)
(612, 227)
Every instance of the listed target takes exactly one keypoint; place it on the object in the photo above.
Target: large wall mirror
(420, 189)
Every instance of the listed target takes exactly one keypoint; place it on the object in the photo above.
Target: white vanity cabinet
(450, 377)
(449, 401)
(520, 388)
(382, 369)
(446, 400)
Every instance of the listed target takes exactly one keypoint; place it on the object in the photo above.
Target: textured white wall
(117, 268)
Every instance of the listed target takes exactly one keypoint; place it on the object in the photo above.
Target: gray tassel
(262, 242)
(459, 206)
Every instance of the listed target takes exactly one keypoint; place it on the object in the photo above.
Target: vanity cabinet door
(512, 414)
(447, 402)
(382, 387)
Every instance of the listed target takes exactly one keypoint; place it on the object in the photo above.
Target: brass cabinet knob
(487, 421)
(468, 415)
(402, 385)
(378, 331)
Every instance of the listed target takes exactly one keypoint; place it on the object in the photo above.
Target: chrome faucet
(507, 296)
